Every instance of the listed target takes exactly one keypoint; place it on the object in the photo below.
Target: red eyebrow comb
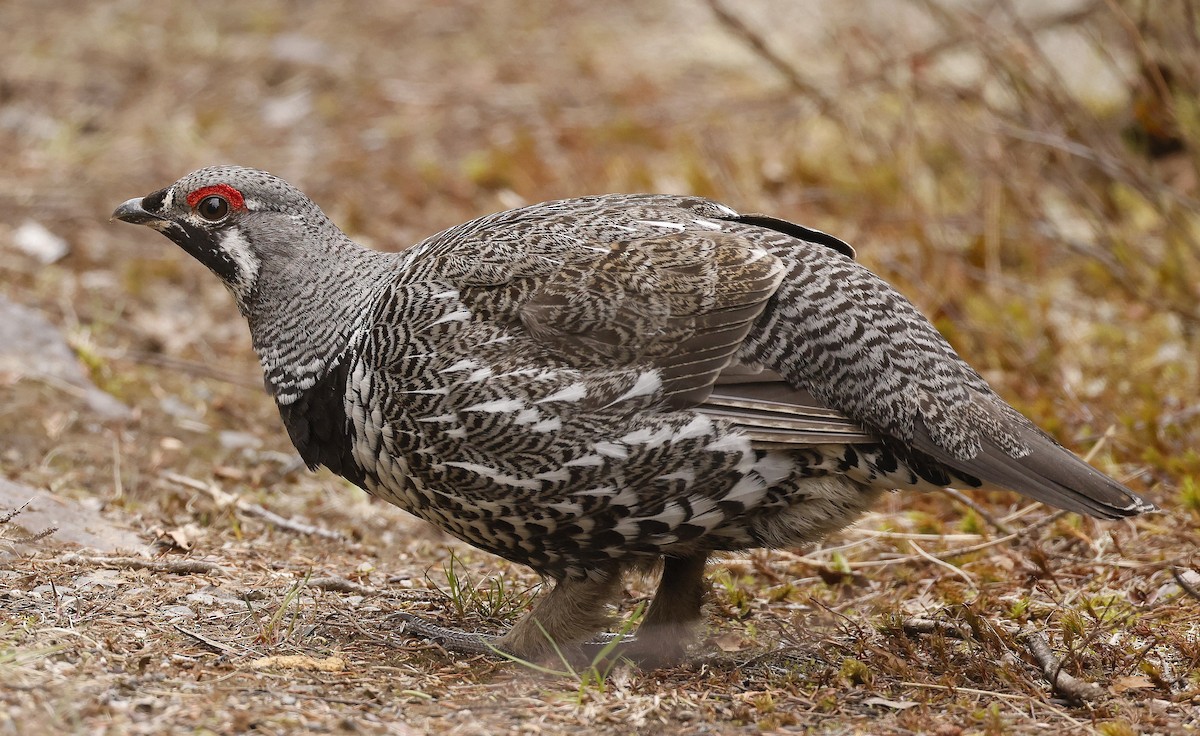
(233, 196)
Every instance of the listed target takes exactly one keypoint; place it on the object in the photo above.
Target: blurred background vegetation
(1025, 171)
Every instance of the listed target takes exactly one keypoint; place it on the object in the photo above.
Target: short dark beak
(132, 211)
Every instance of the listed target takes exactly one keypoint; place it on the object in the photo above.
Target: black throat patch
(205, 246)
(319, 428)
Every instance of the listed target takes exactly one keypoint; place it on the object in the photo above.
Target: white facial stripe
(239, 251)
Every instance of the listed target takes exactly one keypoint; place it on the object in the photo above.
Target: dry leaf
(730, 642)
(227, 472)
(181, 537)
(299, 662)
(1134, 682)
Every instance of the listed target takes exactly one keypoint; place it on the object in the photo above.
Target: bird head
(230, 219)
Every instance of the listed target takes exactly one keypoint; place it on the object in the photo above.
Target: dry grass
(1009, 167)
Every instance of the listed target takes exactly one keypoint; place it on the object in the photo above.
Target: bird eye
(213, 208)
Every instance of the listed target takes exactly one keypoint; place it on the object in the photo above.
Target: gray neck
(307, 306)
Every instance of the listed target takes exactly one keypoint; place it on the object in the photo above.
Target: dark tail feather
(1050, 473)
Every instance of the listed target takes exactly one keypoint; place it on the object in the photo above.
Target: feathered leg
(670, 624)
(674, 615)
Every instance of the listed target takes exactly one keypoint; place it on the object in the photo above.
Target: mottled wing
(681, 304)
(860, 348)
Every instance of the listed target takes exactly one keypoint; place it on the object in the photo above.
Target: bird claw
(612, 646)
(452, 639)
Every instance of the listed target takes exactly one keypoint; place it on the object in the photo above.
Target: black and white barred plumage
(595, 383)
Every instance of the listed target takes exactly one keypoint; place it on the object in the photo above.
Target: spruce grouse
(597, 384)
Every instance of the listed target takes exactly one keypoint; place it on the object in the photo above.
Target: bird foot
(646, 651)
(604, 647)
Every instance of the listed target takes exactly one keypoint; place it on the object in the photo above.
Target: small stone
(175, 407)
(32, 238)
(24, 332)
(101, 578)
(75, 523)
(231, 440)
(204, 599)
(288, 110)
(178, 612)
(299, 49)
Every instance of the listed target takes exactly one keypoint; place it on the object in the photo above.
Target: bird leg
(563, 618)
(669, 624)
(567, 615)
(671, 621)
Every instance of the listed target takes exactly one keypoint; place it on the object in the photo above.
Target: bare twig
(176, 567)
(1110, 165)
(341, 585)
(290, 525)
(959, 551)
(1022, 512)
(949, 553)
(253, 509)
(118, 484)
(983, 513)
(181, 365)
(758, 45)
(956, 41)
(8, 516)
(971, 690)
(1064, 683)
(943, 564)
(219, 646)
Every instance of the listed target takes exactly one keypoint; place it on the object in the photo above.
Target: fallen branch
(1063, 683)
(175, 567)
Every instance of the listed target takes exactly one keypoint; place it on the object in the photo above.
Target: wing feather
(771, 412)
(681, 304)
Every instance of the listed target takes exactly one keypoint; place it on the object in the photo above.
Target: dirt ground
(1025, 172)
